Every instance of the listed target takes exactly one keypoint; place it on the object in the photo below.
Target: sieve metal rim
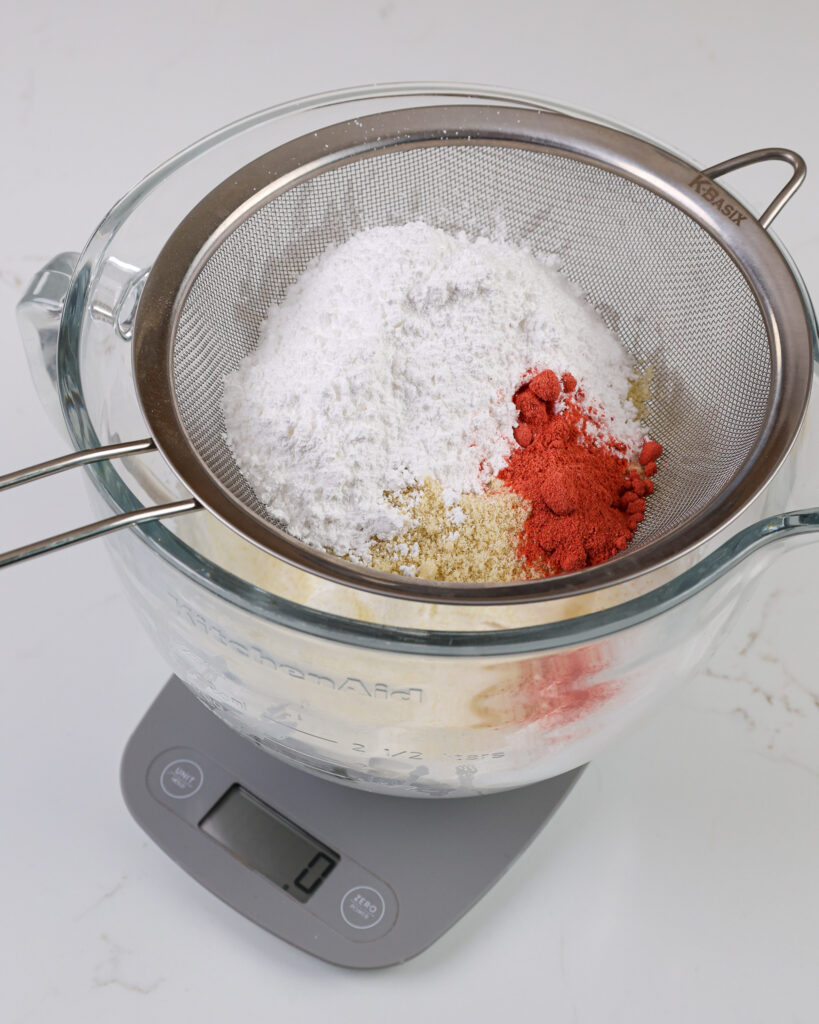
(667, 175)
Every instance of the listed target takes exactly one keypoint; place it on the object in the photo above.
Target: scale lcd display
(268, 843)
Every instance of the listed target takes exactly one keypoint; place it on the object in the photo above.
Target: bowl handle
(788, 527)
(38, 317)
(40, 311)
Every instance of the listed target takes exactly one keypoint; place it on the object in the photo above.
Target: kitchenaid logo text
(349, 684)
(709, 191)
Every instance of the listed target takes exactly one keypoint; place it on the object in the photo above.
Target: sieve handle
(84, 458)
(759, 156)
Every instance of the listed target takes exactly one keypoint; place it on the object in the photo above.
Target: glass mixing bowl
(390, 695)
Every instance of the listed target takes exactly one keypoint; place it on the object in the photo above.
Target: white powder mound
(394, 358)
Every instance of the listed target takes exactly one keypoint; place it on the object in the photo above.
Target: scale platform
(355, 878)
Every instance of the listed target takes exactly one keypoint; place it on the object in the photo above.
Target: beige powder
(639, 391)
(480, 549)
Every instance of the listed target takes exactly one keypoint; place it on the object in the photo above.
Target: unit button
(181, 778)
(363, 907)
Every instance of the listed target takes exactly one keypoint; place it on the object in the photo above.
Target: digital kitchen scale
(355, 878)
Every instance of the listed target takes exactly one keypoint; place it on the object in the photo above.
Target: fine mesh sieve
(659, 280)
(691, 283)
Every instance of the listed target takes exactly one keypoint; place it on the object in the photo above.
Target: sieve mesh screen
(676, 299)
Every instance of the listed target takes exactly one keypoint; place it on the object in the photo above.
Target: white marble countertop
(678, 883)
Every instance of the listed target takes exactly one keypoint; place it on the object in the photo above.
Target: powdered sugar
(394, 359)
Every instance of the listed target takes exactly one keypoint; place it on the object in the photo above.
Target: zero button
(363, 907)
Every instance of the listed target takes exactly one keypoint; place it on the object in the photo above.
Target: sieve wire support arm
(84, 458)
(103, 526)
